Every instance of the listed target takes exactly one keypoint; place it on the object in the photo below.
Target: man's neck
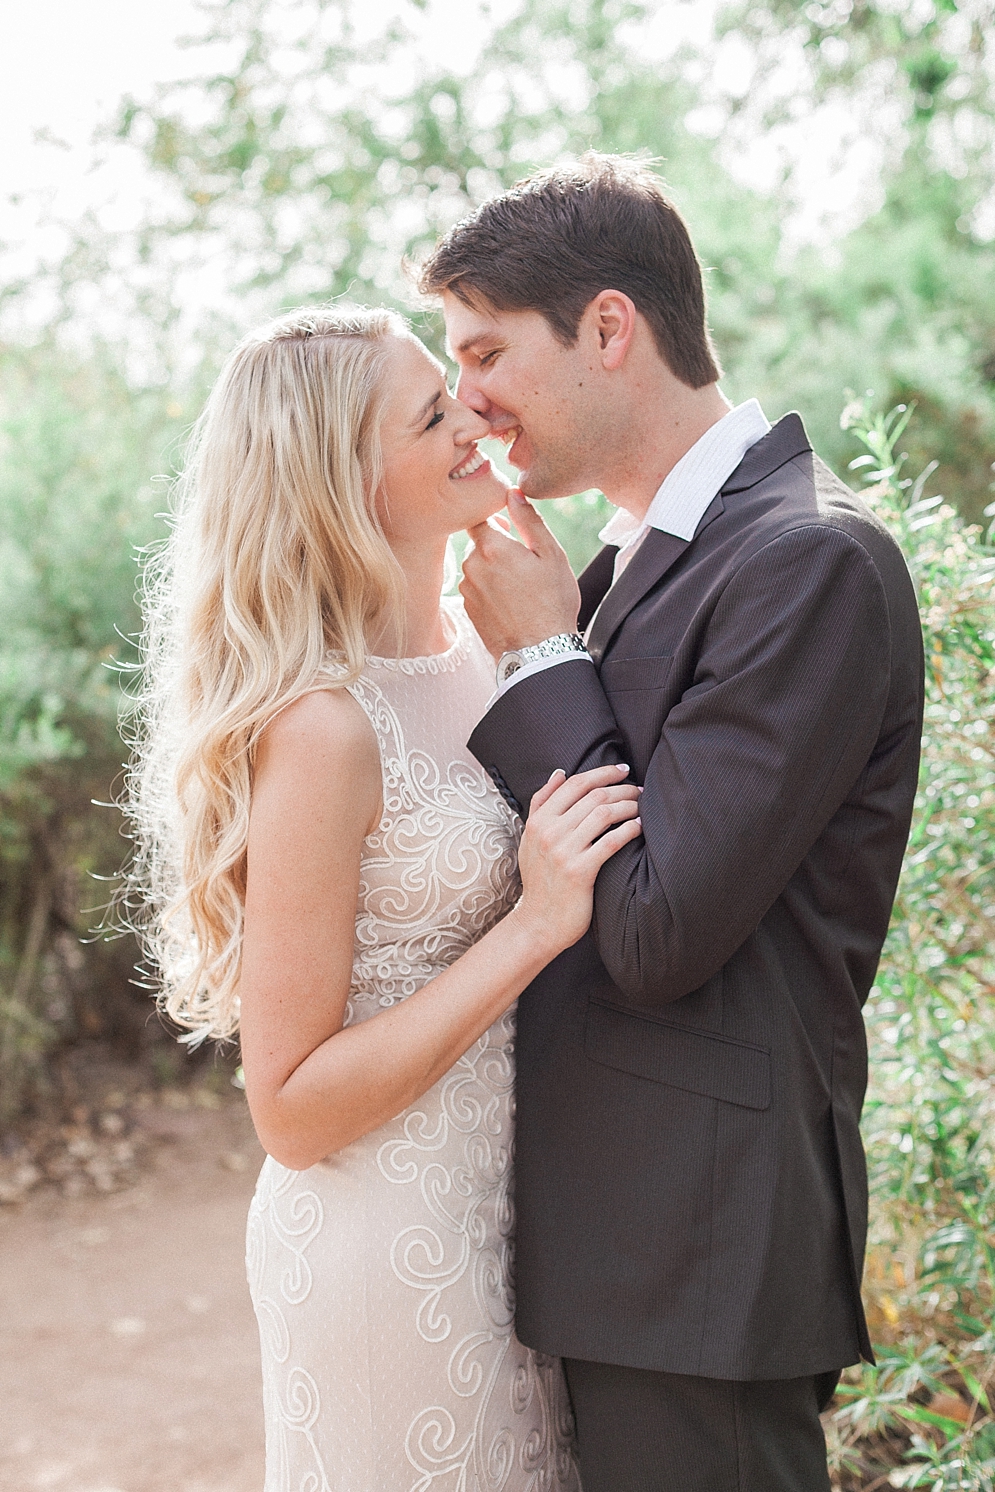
(670, 421)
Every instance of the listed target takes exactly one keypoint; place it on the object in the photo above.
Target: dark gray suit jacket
(691, 1190)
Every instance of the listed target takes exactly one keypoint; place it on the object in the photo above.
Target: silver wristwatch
(563, 645)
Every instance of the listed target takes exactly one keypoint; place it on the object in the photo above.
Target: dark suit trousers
(642, 1431)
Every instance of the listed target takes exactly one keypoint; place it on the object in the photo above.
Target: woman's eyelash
(436, 418)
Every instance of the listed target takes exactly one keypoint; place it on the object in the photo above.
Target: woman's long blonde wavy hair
(276, 559)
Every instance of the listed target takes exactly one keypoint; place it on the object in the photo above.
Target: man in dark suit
(690, 1182)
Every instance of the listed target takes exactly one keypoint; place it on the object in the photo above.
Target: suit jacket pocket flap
(634, 673)
(696, 1061)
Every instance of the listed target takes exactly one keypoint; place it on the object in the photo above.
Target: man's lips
(510, 436)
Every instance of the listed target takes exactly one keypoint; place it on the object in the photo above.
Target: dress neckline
(434, 663)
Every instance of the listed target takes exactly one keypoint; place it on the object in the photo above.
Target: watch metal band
(563, 645)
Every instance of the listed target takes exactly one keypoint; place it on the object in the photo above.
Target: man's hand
(518, 594)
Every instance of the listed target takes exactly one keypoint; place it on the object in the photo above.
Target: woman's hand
(575, 824)
(313, 1084)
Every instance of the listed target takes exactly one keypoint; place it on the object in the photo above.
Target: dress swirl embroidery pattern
(438, 871)
(382, 1277)
(282, 1214)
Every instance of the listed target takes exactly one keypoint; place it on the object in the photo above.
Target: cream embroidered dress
(381, 1277)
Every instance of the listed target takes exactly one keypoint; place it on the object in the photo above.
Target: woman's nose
(470, 424)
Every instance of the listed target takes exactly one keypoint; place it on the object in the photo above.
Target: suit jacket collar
(782, 443)
(659, 550)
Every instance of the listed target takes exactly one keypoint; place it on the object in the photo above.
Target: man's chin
(540, 486)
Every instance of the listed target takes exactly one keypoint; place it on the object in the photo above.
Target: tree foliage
(324, 152)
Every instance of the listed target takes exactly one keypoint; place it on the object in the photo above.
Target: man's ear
(614, 323)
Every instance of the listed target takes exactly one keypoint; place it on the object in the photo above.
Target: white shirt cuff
(528, 669)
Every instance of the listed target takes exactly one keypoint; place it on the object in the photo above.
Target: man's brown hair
(560, 237)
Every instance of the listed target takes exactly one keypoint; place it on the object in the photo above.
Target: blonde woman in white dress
(331, 874)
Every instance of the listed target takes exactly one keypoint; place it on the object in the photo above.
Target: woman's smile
(429, 442)
(470, 466)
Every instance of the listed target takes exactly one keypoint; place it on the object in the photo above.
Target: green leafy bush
(930, 1282)
(76, 445)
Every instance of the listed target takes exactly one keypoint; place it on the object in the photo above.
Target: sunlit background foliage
(313, 146)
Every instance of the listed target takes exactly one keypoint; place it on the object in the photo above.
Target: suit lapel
(649, 564)
(594, 584)
(659, 550)
(782, 443)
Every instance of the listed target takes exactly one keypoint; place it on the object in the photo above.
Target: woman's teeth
(475, 462)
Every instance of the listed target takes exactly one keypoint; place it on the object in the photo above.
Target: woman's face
(435, 480)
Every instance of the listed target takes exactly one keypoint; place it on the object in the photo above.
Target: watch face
(510, 663)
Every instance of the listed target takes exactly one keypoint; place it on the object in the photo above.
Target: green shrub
(77, 445)
(930, 1282)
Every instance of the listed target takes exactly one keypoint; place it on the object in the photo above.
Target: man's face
(533, 391)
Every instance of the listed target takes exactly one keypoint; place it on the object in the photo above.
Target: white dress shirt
(684, 494)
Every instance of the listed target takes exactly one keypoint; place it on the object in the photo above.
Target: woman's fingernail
(622, 766)
(638, 822)
(638, 789)
(556, 772)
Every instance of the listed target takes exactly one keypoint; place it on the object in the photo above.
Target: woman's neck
(423, 567)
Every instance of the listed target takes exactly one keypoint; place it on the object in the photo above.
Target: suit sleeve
(781, 717)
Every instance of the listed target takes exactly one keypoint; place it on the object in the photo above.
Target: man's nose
(468, 393)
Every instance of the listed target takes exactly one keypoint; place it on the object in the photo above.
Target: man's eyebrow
(426, 407)
(469, 343)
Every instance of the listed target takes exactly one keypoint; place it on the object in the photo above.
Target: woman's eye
(436, 419)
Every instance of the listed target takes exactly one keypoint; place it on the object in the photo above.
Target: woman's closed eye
(436, 419)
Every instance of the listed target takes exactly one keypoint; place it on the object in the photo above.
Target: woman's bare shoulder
(326, 720)
(326, 738)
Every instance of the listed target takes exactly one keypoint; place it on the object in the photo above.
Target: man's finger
(533, 530)
(488, 539)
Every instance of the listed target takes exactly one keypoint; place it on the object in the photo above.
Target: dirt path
(129, 1360)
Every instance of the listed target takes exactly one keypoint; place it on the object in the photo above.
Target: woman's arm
(312, 1086)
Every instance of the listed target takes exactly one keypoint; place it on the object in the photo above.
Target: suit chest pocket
(639, 691)
(678, 1056)
(625, 675)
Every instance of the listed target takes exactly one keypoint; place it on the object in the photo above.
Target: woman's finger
(574, 788)
(621, 792)
(575, 841)
(611, 842)
(547, 790)
(602, 816)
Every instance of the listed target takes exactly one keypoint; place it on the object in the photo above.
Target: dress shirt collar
(687, 490)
